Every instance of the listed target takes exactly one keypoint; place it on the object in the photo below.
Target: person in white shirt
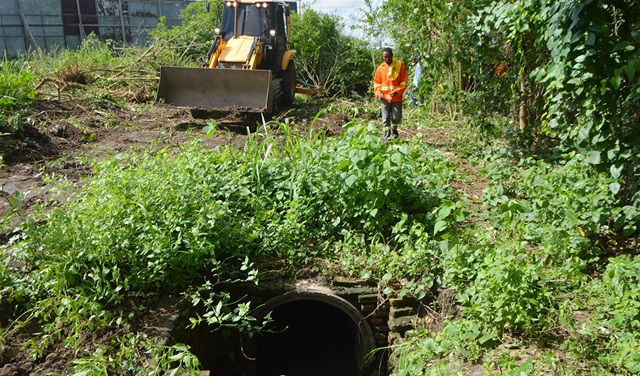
(416, 80)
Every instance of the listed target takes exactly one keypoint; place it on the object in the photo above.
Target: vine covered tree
(572, 69)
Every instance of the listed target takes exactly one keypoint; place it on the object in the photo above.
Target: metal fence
(52, 24)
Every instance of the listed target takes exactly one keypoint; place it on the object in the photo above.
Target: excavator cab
(248, 68)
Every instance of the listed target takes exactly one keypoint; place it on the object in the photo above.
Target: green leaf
(616, 171)
(616, 81)
(593, 157)
(526, 366)
(488, 336)
(614, 187)
(350, 180)
(439, 227)
(344, 165)
(632, 67)
(445, 209)
(619, 222)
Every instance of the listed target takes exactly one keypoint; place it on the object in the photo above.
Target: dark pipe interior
(308, 338)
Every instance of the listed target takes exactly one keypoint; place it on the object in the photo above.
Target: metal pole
(26, 27)
(83, 36)
(124, 35)
(235, 20)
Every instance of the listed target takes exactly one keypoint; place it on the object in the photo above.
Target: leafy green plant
(426, 353)
(499, 285)
(67, 319)
(192, 38)
(125, 357)
(560, 209)
(599, 54)
(615, 300)
(220, 311)
(162, 220)
(16, 86)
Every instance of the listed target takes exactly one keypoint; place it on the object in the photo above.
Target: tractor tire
(276, 92)
(288, 84)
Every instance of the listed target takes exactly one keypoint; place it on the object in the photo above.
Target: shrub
(15, 86)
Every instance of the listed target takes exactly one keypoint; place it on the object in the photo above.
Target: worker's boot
(387, 134)
(394, 132)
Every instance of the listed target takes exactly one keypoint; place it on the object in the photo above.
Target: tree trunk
(523, 116)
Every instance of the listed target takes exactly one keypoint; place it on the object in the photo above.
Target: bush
(327, 58)
(15, 86)
(615, 301)
(192, 39)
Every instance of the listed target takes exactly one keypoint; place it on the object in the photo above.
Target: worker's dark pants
(391, 117)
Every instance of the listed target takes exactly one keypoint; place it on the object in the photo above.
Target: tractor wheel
(276, 92)
(288, 84)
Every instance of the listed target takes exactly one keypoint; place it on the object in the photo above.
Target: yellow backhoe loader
(249, 67)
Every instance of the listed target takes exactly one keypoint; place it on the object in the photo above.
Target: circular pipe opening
(310, 338)
(313, 332)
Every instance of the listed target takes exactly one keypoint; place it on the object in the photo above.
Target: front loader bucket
(216, 89)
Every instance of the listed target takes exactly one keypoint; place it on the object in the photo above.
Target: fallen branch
(137, 96)
(60, 85)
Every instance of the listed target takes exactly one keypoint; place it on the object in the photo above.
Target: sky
(349, 10)
(338, 7)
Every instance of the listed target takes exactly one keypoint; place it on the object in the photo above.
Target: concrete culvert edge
(326, 334)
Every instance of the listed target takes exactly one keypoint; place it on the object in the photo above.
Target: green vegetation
(155, 223)
(16, 94)
(571, 84)
(15, 90)
(543, 265)
(190, 41)
(327, 58)
(562, 209)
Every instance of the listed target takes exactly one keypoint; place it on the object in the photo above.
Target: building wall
(55, 24)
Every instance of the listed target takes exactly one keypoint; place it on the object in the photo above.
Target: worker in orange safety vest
(389, 85)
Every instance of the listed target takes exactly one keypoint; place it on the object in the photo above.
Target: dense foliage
(15, 87)
(193, 37)
(328, 58)
(154, 222)
(572, 70)
(568, 210)
(544, 274)
(542, 266)
(16, 95)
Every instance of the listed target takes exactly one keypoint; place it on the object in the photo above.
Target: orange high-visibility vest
(389, 79)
